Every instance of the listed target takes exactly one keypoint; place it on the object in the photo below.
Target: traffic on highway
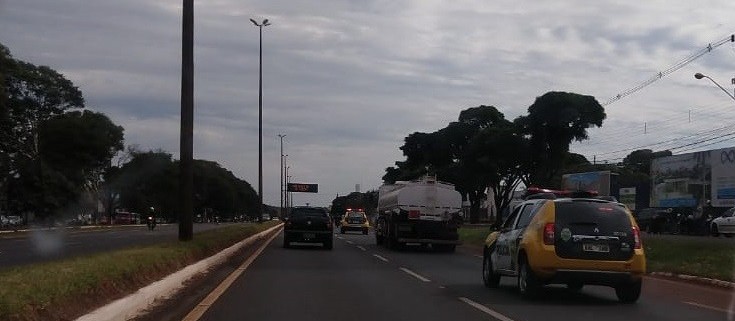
(369, 160)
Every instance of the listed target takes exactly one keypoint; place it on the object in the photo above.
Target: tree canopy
(482, 151)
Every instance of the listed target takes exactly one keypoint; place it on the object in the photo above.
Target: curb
(696, 279)
(136, 303)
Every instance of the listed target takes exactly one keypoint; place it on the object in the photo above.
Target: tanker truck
(424, 212)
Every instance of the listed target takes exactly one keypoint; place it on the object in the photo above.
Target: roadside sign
(303, 188)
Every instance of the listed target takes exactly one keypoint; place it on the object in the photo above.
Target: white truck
(421, 212)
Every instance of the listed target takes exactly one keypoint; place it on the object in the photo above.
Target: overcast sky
(346, 81)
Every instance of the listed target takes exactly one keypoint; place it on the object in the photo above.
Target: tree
(499, 149)
(36, 94)
(50, 152)
(448, 154)
(150, 179)
(5, 132)
(80, 145)
(554, 120)
(640, 160)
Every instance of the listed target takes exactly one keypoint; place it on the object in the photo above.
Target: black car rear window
(308, 212)
(611, 216)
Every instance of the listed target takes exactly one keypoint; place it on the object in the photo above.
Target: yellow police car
(567, 240)
(354, 220)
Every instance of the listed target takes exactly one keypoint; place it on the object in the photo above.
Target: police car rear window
(611, 216)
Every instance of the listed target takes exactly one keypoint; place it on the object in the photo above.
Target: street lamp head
(266, 23)
(254, 22)
(698, 75)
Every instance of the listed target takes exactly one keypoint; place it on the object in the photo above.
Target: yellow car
(354, 220)
(572, 241)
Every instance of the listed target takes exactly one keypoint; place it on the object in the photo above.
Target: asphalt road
(47, 245)
(361, 281)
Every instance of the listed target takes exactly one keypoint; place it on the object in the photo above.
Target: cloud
(348, 80)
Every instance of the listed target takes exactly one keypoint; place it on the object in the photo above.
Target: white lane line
(380, 258)
(341, 238)
(350, 242)
(414, 274)
(706, 306)
(479, 256)
(485, 309)
(362, 248)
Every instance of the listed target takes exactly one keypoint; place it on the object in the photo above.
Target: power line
(664, 142)
(678, 65)
(705, 145)
(694, 145)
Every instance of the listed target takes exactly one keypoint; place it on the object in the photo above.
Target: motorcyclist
(151, 221)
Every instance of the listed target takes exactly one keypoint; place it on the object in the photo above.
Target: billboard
(303, 188)
(627, 197)
(723, 178)
(588, 181)
(688, 180)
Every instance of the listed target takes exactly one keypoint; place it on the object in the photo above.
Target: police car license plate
(309, 236)
(595, 247)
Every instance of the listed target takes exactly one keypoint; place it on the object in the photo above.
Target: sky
(347, 81)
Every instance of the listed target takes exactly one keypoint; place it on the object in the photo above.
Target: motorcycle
(151, 223)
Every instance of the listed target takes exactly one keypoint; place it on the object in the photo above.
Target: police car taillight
(549, 234)
(637, 238)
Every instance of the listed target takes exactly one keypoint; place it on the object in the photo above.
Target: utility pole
(186, 164)
(282, 170)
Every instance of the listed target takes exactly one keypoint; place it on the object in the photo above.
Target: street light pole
(281, 170)
(260, 115)
(700, 76)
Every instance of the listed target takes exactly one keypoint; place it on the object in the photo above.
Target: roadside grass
(68, 288)
(473, 236)
(698, 256)
(690, 255)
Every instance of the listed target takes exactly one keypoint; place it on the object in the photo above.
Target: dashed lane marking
(380, 258)
(478, 256)
(485, 309)
(414, 274)
(362, 248)
(704, 306)
(350, 242)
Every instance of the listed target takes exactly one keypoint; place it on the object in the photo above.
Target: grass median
(691, 255)
(66, 289)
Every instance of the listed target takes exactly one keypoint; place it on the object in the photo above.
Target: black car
(652, 220)
(308, 225)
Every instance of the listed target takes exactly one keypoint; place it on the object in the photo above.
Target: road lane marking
(203, 306)
(414, 274)
(350, 242)
(362, 248)
(478, 256)
(341, 238)
(442, 287)
(705, 306)
(485, 309)
(380, 258)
